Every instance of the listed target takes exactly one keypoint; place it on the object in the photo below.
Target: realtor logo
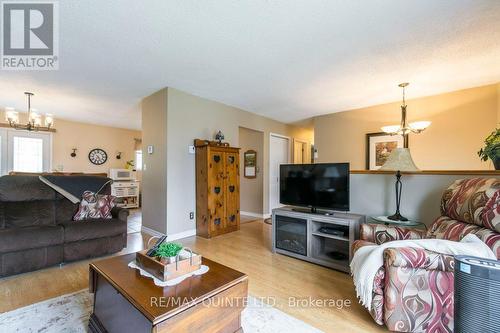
(30, 35)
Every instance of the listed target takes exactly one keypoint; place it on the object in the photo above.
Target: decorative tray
(186, 262)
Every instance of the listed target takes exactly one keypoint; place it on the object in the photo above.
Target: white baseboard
(180, 235)
(260, 216)
(151, 232)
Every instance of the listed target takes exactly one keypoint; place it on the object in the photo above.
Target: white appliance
(125, 188)
(122, 174)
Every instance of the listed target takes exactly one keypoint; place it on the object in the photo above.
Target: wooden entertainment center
(324, 239)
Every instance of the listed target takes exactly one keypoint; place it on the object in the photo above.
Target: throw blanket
(368, 259)
(72, 187)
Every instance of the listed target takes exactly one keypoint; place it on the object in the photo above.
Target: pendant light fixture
(404, 128)
(34, 118)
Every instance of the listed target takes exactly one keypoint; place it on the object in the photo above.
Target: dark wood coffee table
(125, 301)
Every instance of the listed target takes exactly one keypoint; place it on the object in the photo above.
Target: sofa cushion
(475, 201)
(65, 209)
(30, 260)
(29, 238)
(29, 213)
(447, 228)
(92, 229)
(24, 188)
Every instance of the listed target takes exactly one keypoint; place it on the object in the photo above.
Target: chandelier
(404, 128)
(34, 118)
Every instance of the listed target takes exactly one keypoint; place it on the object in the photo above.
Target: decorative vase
(496, 162)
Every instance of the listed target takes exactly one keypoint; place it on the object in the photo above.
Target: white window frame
(47, 147)
(138, 166)
(3, 151)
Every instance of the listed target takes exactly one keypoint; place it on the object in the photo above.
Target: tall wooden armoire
(217, 188)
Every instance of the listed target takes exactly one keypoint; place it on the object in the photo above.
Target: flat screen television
(322, 185)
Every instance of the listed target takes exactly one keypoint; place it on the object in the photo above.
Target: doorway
(251, 183)
(279, 148)
(24, 151)
(301, 152)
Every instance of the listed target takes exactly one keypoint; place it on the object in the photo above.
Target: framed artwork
(250, 164)
(379, 146)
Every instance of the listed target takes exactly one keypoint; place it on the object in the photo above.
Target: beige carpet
(70, 313)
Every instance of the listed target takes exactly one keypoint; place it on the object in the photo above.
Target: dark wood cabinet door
(232, 188)
(216, 191)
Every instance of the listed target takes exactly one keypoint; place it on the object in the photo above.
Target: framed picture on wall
(250, 164)
(379, 146)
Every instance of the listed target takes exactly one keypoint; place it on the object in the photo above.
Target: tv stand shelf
(324, 239)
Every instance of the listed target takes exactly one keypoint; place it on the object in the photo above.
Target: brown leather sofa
(37, 230)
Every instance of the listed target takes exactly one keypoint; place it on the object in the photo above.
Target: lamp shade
(400, 160)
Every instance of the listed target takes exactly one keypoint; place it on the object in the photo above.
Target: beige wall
(190, 117)
(251, 189)
(154, 174)
(421, 195)
(86, 137)
(460, 122)
(498, 104)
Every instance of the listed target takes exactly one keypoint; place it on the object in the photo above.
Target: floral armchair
(414, 290)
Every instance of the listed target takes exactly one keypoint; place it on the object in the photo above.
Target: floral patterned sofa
(414, 290)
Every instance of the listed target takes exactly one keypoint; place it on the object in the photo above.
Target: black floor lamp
(400, 160)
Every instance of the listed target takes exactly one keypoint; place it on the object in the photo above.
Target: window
(28, 154)
(138, 160)
(24, 151)
(3, 152)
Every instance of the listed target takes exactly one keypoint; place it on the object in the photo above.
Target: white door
(298, 152)
(28, 151)
(278, 154)
(3, 152)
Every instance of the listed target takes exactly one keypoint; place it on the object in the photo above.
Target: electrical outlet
(191, 215)
(191, 149)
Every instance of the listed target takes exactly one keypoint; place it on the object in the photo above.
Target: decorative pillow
(95, 206)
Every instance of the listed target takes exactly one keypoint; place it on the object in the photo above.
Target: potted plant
(167, 252)
(491, 149)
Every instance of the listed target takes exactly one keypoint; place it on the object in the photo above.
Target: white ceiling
(287, 59)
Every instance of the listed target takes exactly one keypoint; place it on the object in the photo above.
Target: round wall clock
(98, 156)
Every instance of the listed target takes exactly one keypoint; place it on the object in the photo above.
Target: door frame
(289, 139)
(3, 151)
(304, 147)
(47, 164)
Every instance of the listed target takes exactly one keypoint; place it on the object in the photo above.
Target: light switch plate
(191, 149)
(150, 149)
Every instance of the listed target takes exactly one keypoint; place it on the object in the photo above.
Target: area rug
(70, 314)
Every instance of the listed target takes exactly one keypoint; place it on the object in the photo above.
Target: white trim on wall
(271, 134)
(251, 214)
(180, 235)
(151, 232)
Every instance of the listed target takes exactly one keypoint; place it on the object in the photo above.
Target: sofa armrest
(379, 233)
(120, 213)
(410, 257)
(359, 244)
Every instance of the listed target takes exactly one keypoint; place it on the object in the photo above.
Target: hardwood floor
(279, 278)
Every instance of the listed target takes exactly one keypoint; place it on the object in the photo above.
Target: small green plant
(491, 147)
(167, 250)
